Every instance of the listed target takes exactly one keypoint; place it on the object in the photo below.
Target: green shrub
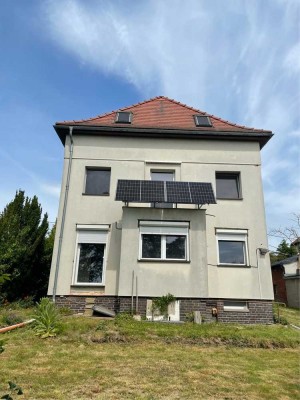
(13, 389)
(11, 319)
(26, 302)
(65, 310)
(47, 319)
(161, 304)
(280, 320)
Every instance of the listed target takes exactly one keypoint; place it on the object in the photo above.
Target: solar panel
(165, 192)
(202, 193)
(178, 192)
(128, 190)
(152, 191)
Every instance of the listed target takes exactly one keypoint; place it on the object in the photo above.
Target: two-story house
(161, 198)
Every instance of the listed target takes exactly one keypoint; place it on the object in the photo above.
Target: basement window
(202, 120)
(123, 117)
(241, 306)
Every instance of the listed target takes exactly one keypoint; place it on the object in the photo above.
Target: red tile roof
(165, 113)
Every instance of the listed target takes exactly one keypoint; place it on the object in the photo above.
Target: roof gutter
(62, 226)
(262, 137)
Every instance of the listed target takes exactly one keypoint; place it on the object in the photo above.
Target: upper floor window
(228, 185)
(202, 120)
(124, 117)
(97, 181)
(160, 175)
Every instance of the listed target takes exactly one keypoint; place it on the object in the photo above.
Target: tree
(24, 248)
(289, 233)
(290, 236)
(284, 250)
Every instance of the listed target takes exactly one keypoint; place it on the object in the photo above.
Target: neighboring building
(166, 232)
(286, 281)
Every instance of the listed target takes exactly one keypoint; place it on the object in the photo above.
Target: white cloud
(237, 61)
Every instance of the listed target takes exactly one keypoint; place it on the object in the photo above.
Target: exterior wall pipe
(61, 233)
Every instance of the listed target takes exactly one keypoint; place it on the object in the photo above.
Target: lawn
(125, 359)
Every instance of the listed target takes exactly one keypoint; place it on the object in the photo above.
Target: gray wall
(192, 160)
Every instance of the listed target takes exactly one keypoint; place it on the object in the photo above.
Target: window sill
(98, 195)
(159, 260)
(239, 311)
(229, 198)
(234, 265)
(88, 285)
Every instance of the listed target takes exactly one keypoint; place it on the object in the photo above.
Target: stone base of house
(258, 311)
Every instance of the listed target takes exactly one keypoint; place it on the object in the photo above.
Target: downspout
(63, 215)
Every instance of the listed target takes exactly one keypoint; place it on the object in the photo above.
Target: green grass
(124, 359)
(292, 315)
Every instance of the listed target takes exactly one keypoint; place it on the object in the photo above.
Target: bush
(47, 319)
(11, 319)
(280, 320)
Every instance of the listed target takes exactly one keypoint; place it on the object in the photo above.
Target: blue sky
(72, 59)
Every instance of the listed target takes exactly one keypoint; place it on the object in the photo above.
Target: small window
(202, 120)
(163, 240)
(124, 117)
(97, 181)
(228, 185)
(232, 247)
(235, 306)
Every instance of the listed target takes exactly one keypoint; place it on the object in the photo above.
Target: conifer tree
(24, 256)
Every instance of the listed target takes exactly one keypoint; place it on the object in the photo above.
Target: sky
(75, 59)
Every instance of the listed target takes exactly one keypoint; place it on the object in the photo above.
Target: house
(159, 198)
(286, 281)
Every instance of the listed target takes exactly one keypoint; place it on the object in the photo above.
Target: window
(228, 185)
(165, 176)
(124, 117)
(235, 306)
(202, 120)
(164, 240)
(97, 181)
(90, 254)
(232, 247)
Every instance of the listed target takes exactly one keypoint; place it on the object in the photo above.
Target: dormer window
(124, 117)
(202, 120)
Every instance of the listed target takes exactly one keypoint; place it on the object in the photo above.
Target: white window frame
(233, 235)
(164, 228)
(235, 305)
(163, 171)
(102, 231)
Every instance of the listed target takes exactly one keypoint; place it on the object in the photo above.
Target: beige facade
(201, 276)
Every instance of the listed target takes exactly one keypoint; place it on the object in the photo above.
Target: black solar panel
(165, 192)
(178, 192)
(152, 191)
(128, 190)
(202, 193)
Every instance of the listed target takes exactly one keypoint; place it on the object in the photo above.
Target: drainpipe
(63, 215)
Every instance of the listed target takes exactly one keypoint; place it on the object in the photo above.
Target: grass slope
(125, 359)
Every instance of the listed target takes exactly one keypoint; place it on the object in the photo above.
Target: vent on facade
(123, 117)
(202, 120)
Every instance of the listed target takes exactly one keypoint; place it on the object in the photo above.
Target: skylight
(202, 120)
(123, 117)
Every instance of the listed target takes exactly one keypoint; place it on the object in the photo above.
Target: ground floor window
(232, 247)
(163, 240)
(90, 255)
